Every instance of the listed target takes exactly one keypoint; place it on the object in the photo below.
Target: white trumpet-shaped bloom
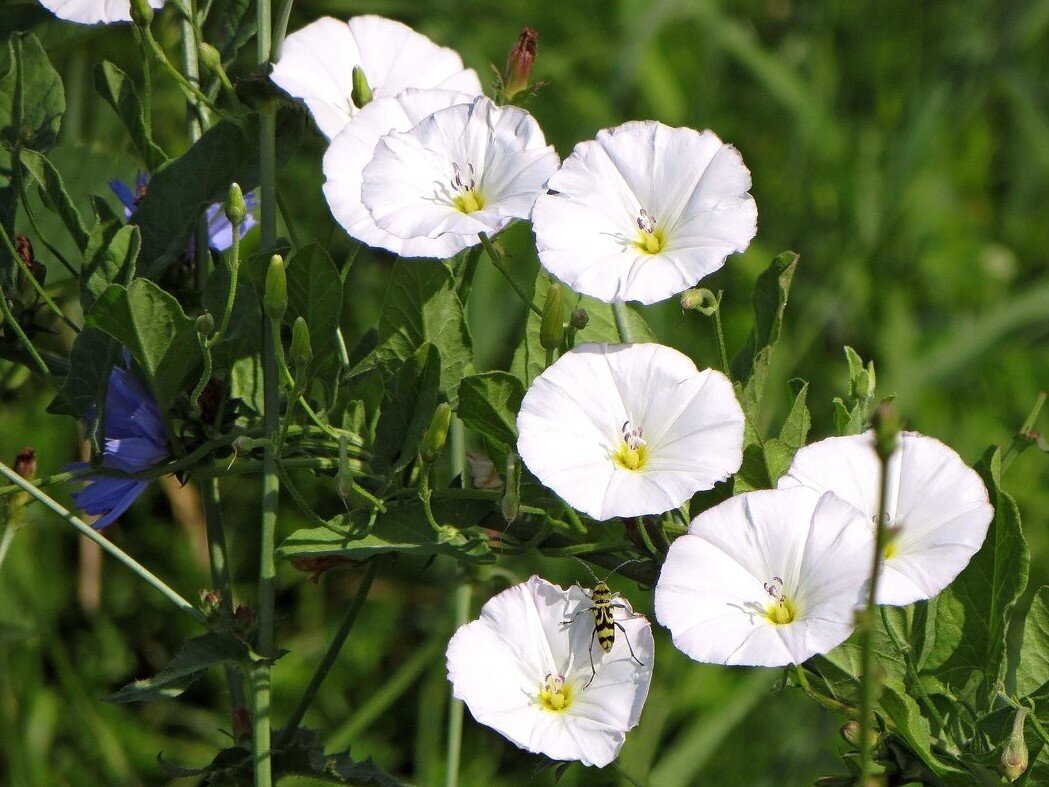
(94, 12)
(766, 578)
(644, 211)
(526, 674)
(352, 149)
(629, 429)
(464, 170)
(317, 65)
(937, 509)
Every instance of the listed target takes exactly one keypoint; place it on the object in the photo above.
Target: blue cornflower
(135, 440)
(220, 231)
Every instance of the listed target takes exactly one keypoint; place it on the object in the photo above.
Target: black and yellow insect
(603, 601)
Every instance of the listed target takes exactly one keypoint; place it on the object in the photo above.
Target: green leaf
(403, 529)
(32, 99)
(56, 197)
(409, 399)
(852, 414)
(530, 358)
(152, 325)
(488, 404)
(230, 25)
(180, 191)
(798, 422)
(972, 615)
(421, 306)
(1032, 669)
(113, 264)
(907, 720)
(197, 655)
(751, 365)
(119, 92)
(90, 361)
(315, 294)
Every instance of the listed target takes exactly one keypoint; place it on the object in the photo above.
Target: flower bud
(205, 324)
(361, 93)
(25, 463)
(141, 13)
(701, 300)
(886, 429)
(301, 349)
(579, 319)
(235, 208)
(511, 502)
(212, 60)
(209, 601)
(519, 63)
(437, 433)
(552, 326)
(1015, 759)
(275, 297)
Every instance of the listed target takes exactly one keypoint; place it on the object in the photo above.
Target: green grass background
(901, 147)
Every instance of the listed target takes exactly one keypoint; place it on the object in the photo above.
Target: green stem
(455, 708)
(89, 532)
(10, 528)
(280, 29)
(193, 94)
(233, 262)
(330, 655)
(500, 265)
(622, 315)
(220, 577)
(147, 80)
(720, 336)
(8, 315)
(1022, 440)
(867, 678)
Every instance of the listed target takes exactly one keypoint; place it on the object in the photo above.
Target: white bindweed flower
(766, 578)
(93, 12)
(352, 149)
(524, 673)
(317, 65)
(938, 509)
(629, 429)
(464, 170)
(644, 211)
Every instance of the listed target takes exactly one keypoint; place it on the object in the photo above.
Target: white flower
(629, 429)
(92, 12)
(352, 149)
(644, 211)
(523, 672)
(766, 579)
(464, 170)
(317, 64)
(938, 509)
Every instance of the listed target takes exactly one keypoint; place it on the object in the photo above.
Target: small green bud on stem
(519, 64)
(1015, 758)
(511, 502)
(437, 433)
(301, 348)
(275, 297)
(886, 430)
(701, 300)
(205, 324)
(579, 319)
(552, 326)
(212, 60)
(141, 13)
(235, 208)
(361, 93)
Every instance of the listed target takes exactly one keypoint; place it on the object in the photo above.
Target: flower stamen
(555, 695)
(466, 198)
(781, 610)
(650, 237)
(632, 454)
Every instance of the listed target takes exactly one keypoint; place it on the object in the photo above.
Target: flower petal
(90, 12)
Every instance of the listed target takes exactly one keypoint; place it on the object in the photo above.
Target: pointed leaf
(409, 399)
(56, 197)
(489, 403)
(798, 422)
(119, 92)
(90, 361)
(1032, 670)
(114, 264)
(315, 294)
(31, 96)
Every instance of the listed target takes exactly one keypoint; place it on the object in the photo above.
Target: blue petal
(108, 497)
(132, 454)
(124, 194)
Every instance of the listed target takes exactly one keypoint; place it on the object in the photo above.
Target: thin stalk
(220, 576)
(330, 655)
(8, 315)
(147, 80)
(233, 262)
(12, 527)
(622, 315)
(89, 532)
(1023, 437)
(867, 680)
(261, 735)
(720, 337)
(193, 94)
(500, 265)
(280, 28)
(455, 708)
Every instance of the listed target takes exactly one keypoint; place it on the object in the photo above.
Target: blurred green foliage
(901, 148)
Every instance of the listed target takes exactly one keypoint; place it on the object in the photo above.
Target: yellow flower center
(555, 695)
(631, 458)
(468, 201)
(891, 550)
(781, 612)
(650, 238)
